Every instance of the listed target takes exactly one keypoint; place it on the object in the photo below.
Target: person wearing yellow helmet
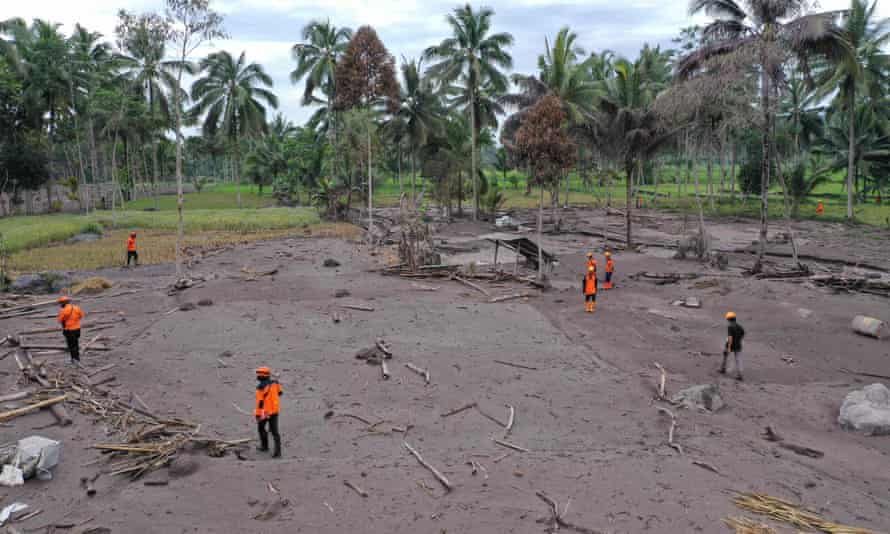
(591, 262)
(610, 270)
(734, 336)
(267, 408)
(588, 288)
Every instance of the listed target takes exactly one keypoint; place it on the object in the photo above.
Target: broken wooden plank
(505, 298)
(358, 307)
(422, 372)
(456, 411)
(509, 445)
(439, 476)
(519, 365)
(469, 284)
(12, 414)
(355, 488)
(510, 420)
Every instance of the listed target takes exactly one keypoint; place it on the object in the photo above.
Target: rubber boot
(277, 452)
(593, 306)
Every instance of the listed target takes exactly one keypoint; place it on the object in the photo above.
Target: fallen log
(510, 420)
(439, 476)
(58, 410)
(12, 414)
(469, 284)
(16, 396)
(355, 488)
(509, 445)
(422, 372)
(58, 347)
(357, 307)
(505, 298)
(459, 410)
(519, 365)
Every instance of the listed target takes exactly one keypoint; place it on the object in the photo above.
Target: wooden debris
(108, 367)
(509, 426)
(469, 284)
(358, 307)
(58, 410)
(252, 274)
(421, 287)
(384, 348)
(518, 365)
(384, 369)
(87, 484)
(12, 414)
(707, 466)
(509, 445)
(744, 525)
(422, 372)
(16, 396)
(670, 439)
(353, 416)
(355, 488)
(490, 417)
(463, 408)
(557, 520)
(771, 435)
(859, 373)
(782, 510)
(439, 476)
(505, 298)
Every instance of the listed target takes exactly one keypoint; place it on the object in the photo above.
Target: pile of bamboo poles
(781, 510)
(744, 525)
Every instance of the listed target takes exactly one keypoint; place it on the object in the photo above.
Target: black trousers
(72, 337)
(608, 277)
(135, 257)
(590, 298)
(272, 423)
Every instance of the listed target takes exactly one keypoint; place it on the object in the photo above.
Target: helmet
(608, 254)
(64, 299)
(590, 254)
(730, 316)
(263, 372)
(132, 234)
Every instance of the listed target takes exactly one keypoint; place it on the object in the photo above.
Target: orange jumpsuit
(266, 412)
(70, 316)
(589, 286)
(131, 250)
(610, 268)
(820, 209)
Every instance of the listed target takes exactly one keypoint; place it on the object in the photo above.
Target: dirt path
(586, 414)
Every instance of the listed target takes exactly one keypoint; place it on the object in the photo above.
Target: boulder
(188, 306)
(205, 302)
(40, 283)
(867, 410)
(330, 262)
(340, 293)
(705, 397)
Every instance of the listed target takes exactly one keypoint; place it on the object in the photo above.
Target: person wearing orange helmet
(69, 317)
(610, 269)
(267, 408)
(131, 250)
(820, 208)
(588, 287)
(734, 336)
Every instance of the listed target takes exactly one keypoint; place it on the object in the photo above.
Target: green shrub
(92, 228)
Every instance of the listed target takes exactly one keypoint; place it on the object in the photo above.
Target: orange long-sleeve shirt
(70, 317)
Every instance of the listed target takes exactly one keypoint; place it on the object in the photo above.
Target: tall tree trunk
(413, 180)
(155, 175)
(765, 166)
(710, 167)
(474, 177)
(732, 173)
(180, 227)
(541, 235)
(370, 186)
(238, 167)
(851, 156)
(114, 181)
(399, 165)
(629, 169)
(94, 161)
(460, 193)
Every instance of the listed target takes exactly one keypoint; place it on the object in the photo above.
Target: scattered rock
(867, 410)
(340, 293)
(205, 302)
(692, 302)
(84, 238)
(330, 262)
(704, 397)
(40, 283)
(188, 306)
(226, 354)
(182, 467)
(804, 313)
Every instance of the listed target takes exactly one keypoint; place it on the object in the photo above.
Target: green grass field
(220, 196)
(25, 232)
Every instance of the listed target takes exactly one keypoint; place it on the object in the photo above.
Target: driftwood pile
(148, 441)
(845, 282)
(465, 277)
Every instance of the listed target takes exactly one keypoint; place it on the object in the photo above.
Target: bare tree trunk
(732, 173)
(765, 166)
(474, 177)
(629, 169)
(238, 166)
(413, 180)
(710, 167)
(399, 164)
(370, 185)
(180, 227)
(541, 236)
(851, 156)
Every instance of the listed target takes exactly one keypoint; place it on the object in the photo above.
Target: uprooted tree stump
(416, 245)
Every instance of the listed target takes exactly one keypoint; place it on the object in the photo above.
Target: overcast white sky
(266, 29)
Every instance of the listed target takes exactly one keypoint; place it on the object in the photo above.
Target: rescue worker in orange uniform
(610, 269)
(131, 249)
(69, 317)
(268, 392)
(820, 208)
(734, 335)
(588, 286)
(591, 262)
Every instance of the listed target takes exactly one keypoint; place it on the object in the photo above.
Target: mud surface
(586, 414)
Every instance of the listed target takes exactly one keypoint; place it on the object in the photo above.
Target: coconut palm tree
(143, 45)
(231, 94)
(864, 71)
(420, 113)
(317, 61)
(473, 55)
(763, 34)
